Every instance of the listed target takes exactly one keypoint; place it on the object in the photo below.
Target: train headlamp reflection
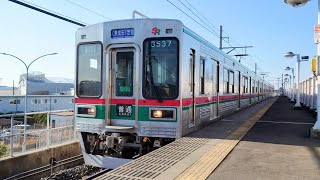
(92, 111)
(87, 111)
(163, 114)
(156, 114)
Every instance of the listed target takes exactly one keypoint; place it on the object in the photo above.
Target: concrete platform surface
(194, 156)
(277, 147)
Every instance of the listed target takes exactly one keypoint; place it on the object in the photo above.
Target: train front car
(127, 89)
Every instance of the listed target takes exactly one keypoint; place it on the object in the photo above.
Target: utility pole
(13, 88)
(220, 38)
(278, 86)
(255, 68)
(315, 130)
(282, 86)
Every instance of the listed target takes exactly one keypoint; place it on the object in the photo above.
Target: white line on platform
(227, 120)
(285, 122)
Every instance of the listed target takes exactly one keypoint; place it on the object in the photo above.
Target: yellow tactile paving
(203, 167)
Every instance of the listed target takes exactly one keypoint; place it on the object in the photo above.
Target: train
(142, 83)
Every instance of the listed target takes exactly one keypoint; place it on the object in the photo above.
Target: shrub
(40, 118)
(4, 150)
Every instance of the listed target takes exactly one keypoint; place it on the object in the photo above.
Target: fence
(41, 132)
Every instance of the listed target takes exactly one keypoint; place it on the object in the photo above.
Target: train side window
(218, 76)
(191, 70)
(231, 81)
(249, 88)
(245, 84)
(225, 81)
(253, 86)
(202, 73)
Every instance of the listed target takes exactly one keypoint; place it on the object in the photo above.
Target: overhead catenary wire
(251, 64)
(190, 17)
(87, 9)
(215, 33)
(251, 61)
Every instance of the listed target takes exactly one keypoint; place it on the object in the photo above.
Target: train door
(122, 95)
(192, 109)
(239, 89)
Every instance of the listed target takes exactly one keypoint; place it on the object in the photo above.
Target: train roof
(185, 30)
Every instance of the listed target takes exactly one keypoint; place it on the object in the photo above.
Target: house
(10, 104)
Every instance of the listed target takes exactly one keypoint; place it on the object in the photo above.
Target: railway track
(43, 169)
(97, 174)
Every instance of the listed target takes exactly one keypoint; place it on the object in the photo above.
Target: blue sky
(272, 27)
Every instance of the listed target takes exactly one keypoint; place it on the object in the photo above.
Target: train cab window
(231, 81)
(160, 68)
(124, 74)
(202, 73)
(89, 65)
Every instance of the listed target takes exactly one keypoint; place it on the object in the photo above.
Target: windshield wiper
(152, 82)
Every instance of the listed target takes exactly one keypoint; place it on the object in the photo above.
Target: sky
(270, 26)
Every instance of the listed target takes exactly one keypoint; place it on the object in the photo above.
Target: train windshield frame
(161, 68)
(89, 70)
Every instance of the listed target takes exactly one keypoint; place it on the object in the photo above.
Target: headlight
(168, 113)
(86, 111)
(92, 111)
(156, 114)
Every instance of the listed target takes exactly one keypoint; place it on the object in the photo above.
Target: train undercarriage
(121, 145)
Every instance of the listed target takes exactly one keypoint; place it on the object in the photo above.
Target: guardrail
(38, 137)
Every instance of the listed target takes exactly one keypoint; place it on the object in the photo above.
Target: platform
(274, 143)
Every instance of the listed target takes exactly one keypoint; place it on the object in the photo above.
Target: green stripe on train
(142, 111)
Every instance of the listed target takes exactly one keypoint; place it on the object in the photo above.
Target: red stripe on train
(143, 102)
(89, 101)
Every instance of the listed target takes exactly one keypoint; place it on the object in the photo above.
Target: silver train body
(143, 83)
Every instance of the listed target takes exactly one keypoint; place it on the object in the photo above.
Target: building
(5, 91)
(61, 119)
(38, 84)
(10, 104)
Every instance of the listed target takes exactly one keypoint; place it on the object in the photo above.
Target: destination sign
(122, 33)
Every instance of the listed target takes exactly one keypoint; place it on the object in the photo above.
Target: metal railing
(39, 136)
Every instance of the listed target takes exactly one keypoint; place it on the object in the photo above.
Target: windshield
(160, 68)
(89, 70)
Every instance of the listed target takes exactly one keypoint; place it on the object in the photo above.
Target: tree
(4, 150)
(40, 118)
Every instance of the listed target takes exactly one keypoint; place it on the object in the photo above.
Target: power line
(88, 9)
(198, 17)
(190, 17)
(212, 30)
(48, 12)
(230, 39)
(201, 15)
